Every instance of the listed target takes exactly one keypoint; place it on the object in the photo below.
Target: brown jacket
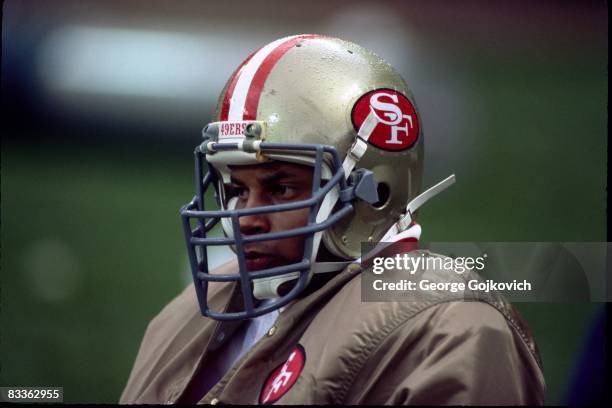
(439, 350)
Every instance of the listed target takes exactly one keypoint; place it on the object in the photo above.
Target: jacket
(330, 347)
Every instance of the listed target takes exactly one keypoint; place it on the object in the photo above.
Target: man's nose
(254, 224)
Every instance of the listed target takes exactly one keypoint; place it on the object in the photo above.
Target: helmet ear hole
(384, 193)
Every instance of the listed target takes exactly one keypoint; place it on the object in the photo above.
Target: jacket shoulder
(464, 347)
(367, 332)
(181, 312)
(179, 329)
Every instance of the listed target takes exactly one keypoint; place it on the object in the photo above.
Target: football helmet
(320, 101)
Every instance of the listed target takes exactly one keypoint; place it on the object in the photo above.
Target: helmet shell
(312, 89)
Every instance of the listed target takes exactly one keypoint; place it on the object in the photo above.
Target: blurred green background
(513, 101)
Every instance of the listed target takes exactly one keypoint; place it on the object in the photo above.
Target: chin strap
(405, 221)
(356, 152)
(413, 233)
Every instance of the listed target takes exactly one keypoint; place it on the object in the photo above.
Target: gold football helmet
(327, 103)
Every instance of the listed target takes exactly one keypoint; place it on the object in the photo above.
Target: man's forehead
(256, 171)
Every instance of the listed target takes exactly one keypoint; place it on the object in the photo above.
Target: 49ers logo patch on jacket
(282, 379)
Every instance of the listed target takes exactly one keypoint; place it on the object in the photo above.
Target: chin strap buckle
(406, 220)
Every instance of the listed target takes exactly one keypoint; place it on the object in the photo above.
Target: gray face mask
(198, 222)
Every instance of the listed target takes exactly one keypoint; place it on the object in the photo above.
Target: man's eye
(282, 191)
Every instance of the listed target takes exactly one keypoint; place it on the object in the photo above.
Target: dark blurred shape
(588, 380)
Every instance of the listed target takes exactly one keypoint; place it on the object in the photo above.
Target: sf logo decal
(283, 378)
(398, 125)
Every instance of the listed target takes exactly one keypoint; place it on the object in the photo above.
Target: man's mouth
(256, 261)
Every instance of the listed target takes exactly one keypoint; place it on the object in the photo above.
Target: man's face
(269, 184)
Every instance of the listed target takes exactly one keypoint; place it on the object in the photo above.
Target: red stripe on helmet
(252, 99)
(225, 107)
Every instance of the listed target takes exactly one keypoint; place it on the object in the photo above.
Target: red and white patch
(232, 129)
(283, 378)
(244, 89)
(397, 126)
